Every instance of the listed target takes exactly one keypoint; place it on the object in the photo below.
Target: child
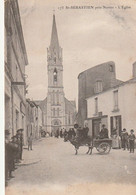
(132, 141)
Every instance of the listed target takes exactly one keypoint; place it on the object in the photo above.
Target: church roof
(54, 36)
(69, 105)
(42, 104)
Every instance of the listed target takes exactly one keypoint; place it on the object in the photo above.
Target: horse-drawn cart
(103, 146)
(101, 143)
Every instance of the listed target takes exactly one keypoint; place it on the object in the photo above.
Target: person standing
(10, 150)
(14, 143)
(30, 140)
(132, 138)
(19, 147)
(86, 130)
(125, 139)
(7, 133)
(20, 141)
(61, 135)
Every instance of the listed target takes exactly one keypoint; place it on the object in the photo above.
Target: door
(96, 127)
(116, 124)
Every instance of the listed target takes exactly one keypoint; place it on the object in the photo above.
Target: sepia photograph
(69, 97)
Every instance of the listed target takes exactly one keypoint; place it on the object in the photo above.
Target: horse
(77, 142)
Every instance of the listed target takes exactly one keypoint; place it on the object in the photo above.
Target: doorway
(96, 124)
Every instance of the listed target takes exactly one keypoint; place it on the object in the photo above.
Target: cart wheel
(104, 148)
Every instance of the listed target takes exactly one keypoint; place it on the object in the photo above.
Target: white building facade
(115, 107)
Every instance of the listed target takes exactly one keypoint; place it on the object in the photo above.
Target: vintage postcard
(70, 97)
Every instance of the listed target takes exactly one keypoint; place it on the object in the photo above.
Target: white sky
(88, 37)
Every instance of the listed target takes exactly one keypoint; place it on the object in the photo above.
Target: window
(17, 119)
(16, 73)
(96, 105)
(116, 125)
(57, 97)
(115, 94)
(57, 111)
(53, 97)
(111, 68)
(55, 75)
(98, 86)
(53, 111)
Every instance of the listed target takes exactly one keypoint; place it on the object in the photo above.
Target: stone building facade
(15, 62)
(33, 119)
(55, 107)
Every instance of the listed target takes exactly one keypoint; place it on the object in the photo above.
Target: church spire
(54, 36)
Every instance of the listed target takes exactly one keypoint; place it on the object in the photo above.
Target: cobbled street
(53, 161)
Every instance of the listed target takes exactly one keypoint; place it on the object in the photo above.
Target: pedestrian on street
(20, 136)
(57, 133)
(61, 135)
(65, 136)
(7, 133)
(18, 141)
(115, 139)
(14, 142)
(10, 150)
(132, 141)
(30, 140)
(125, 139)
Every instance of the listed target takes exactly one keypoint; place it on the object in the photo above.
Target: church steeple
(54, 36)
(54, 52)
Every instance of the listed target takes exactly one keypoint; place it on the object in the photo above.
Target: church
(58, 112)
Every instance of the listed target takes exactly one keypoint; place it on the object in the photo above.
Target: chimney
(134, 69)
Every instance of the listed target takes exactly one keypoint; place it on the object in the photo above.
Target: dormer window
(98, 86)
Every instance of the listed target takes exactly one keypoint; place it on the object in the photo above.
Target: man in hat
(132, 141)
(103, 133)
(14, 142)
(10, 150)
(124, 137)
(20, 141)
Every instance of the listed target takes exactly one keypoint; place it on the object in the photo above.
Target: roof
(54, 36)
(121, 83)
(42, 104)
(96, 66)
(69, 104)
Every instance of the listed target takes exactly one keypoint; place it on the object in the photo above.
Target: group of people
(69, 134)
(128, 140)
(13, 152)
(63, 133)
